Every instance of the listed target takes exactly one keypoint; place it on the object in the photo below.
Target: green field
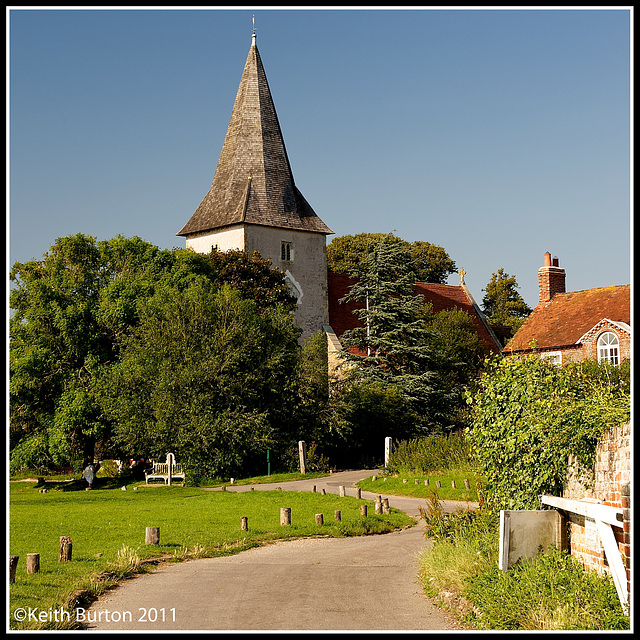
(107, 528)
(415, 485)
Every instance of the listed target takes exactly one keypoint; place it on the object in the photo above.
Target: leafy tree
(502, 304)
(71, 312)
(430, 263)
(457, 339)
(207, 376)
(395, 346)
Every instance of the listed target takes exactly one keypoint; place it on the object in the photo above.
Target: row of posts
(152, 534)
(33, 559)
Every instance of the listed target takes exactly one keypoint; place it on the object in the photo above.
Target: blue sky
(496, 134)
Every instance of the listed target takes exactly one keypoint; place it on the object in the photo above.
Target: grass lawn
(415, 485)
(107, 528)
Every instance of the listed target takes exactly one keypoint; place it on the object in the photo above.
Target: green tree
(395, 346)
(429, 262)
(207, 376)
(71, 312)
(502, 303)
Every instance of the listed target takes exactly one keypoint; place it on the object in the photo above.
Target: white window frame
(554, 357)
(608, 351)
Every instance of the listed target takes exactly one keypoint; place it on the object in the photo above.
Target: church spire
(253, 182)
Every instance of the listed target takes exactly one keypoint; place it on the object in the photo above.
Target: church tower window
(286, 251)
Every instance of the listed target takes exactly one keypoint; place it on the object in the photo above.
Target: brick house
(569, 326)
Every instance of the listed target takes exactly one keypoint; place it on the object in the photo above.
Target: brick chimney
(551, 279)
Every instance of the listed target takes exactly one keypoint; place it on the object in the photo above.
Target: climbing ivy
(529, 416)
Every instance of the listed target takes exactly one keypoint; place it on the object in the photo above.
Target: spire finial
(253, 31)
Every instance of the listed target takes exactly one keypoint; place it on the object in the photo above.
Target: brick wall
(609, 483)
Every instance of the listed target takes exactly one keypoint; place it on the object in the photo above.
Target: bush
(530, 416)
(431, 453)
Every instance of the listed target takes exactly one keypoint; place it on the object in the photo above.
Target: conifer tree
(394, 346)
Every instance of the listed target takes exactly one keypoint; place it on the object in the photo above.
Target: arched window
(608, 348)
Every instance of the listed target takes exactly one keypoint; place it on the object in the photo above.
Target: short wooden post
(363, 510)
(66, 547)
(426, 482)
(33, 562)
(437, 484)
(378, 505)
(358, 493)
(13, 565)
(385, 506)
(374, 478)
(466, 483)
(313, 490)
(341, 491)
(453, 484)
(285, 516)
(324, 491)
(244, 523)
(337, 515)
(404, 481)
(416, 481)
(319, 519)
(152, 535)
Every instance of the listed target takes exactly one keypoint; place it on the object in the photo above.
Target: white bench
(166, 471)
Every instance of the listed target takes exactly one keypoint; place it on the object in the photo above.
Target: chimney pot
(547, 259)
(555, 261)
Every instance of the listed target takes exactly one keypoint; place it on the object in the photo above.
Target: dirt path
(321, 584)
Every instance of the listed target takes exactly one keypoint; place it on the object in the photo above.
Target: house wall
(609, 483)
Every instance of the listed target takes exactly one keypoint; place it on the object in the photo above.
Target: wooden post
(426, 482)
(302, 453)
(438, 484)
(378, 505)
(453, 484)
(13, 565)
(285, 516)
(64, 554)
(466, 483)
(152, 535)
(313, 490)
(385, 506)
(244, 523)
(358, 493)
(341, 491)
(363, 510)
(319, 519)
(337, 515)
(33, 562)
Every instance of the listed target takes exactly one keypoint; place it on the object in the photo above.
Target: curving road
(312, 584)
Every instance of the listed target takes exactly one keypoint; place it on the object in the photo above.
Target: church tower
(254, 205)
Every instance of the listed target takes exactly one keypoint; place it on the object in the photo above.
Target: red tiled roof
(441, 296)
(568, 316)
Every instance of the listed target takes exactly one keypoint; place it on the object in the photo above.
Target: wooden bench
(166, 471)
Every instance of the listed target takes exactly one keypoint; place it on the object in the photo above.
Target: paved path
(321, 584)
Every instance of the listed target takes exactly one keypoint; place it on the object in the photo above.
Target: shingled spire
(253, 183)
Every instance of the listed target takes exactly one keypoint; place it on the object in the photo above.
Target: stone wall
(609, 483)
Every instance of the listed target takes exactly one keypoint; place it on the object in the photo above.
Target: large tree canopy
(71, 312)
(429, 262)
(206, 376)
